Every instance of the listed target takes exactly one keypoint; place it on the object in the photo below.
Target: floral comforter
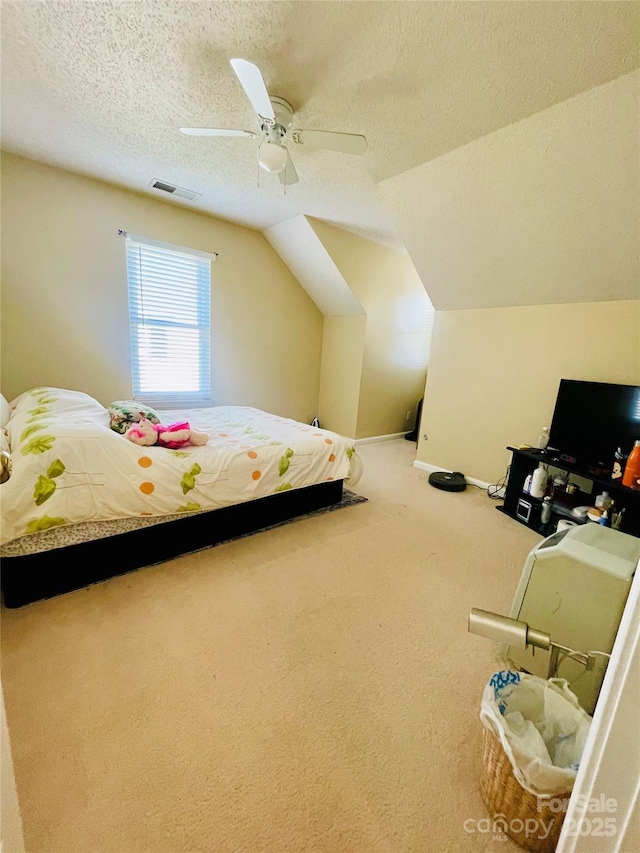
(70, 467)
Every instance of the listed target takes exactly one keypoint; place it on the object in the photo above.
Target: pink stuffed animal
(147, 434)
(143, 433)
(177, 435)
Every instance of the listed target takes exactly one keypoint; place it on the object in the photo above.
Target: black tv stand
(524, 462)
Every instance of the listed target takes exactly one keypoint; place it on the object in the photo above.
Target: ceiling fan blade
(348, 143)
(288, 175)
(215, 131)
(253, 84)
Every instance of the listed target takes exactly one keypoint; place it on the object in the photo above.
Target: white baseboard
(374, 438)
(426, 466)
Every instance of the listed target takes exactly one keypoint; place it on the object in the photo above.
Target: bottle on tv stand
(539, 481)
(631, 476)
(543, 439)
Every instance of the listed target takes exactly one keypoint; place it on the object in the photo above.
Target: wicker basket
(504, 796)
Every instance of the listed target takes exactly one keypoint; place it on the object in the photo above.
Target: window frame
(171, 399)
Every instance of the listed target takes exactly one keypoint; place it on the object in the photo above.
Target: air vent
(158, 185)
(173, 190)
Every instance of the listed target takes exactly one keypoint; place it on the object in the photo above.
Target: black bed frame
(32, 577)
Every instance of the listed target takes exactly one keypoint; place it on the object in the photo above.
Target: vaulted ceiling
(101, 88)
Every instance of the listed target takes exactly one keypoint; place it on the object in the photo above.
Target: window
(170, 321)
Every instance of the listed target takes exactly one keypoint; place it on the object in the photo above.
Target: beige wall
(494, 375)
(399, 319)
(342, 353)
(64, 294)
(537, 228)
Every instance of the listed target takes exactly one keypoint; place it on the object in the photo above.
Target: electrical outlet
(426, 437)
(408, 416)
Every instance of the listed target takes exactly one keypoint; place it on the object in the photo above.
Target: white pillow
(5, 411)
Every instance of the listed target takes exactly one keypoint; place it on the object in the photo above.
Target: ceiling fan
(275, 123)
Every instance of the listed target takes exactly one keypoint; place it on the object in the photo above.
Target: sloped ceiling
(541, 212)
(101, 88)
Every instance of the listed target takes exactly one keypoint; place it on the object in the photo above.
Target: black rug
(348, 499)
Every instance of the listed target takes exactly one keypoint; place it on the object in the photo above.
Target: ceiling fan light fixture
(272, 157)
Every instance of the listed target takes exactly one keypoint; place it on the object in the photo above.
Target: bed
(83, 503)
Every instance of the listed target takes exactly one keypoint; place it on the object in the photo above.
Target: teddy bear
(176, 435)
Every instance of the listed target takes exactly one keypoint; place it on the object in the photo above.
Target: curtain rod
(149, 241)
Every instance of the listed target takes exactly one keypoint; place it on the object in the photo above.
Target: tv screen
(591, 420)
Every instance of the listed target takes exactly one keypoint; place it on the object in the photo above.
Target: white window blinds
(170, 321)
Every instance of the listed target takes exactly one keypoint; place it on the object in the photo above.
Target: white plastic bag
(541, 727)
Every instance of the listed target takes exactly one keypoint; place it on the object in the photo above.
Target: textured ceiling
(101, 88)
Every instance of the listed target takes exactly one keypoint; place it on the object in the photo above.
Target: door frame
(609, 774)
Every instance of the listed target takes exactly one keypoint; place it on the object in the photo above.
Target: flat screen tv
(591, 420)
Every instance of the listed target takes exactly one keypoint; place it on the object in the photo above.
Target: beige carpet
(310, 688)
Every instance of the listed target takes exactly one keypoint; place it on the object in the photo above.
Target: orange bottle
(631, 476)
